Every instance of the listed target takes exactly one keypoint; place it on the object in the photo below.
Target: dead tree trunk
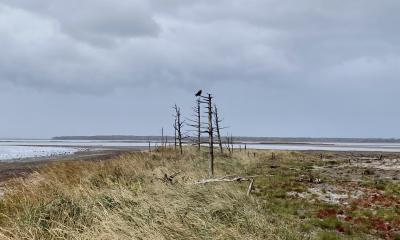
(178, 127)
(175, 135)
(210, 136)
(218, 129)
(149, 146)
(162, 138)
(228, 144)
(232, 143)
(198, 125)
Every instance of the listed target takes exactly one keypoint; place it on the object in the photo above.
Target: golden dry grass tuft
(124, 198)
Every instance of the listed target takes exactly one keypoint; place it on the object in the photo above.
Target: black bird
(198, 94)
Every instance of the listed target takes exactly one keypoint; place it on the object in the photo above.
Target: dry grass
(124, 199)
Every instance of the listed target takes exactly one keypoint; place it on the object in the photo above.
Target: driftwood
(231, 179)
(225, 179)
(250, 188)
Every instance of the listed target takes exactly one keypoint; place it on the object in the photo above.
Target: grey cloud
(96, 21)
(290, 68)
(189, 44)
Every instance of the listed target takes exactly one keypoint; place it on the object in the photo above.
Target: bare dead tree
(211, 127)
(228, 144)
(149, 144)
(196, 123)
(218, 128)
(178, 127)
(198, 110)
(175, 134)
(162, 137)
(210, 135)
(232, 143)
(210, 130)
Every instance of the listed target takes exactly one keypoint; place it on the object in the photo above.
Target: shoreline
(23, 167)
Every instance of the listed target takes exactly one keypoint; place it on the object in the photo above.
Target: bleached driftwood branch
(231, 179)
(250, 187)
(226, 179)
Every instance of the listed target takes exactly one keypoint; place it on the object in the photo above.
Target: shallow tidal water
(14, 150)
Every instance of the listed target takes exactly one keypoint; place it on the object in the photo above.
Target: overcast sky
(276, 67)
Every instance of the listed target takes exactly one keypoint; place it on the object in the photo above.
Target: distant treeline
(114, 138)
(236, 139)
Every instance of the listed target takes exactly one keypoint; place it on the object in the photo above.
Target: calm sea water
(20, 149)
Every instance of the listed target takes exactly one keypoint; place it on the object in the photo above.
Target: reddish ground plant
(324, 213)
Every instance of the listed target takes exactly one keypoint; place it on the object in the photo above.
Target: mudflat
(23, 167)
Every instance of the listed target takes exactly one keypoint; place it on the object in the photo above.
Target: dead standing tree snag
(162, 138)
(208, 100)
(175, 134)
(178, 127)
(218, 128)
(229, 144)
(196, 123)
(210, 129)
(198, 111)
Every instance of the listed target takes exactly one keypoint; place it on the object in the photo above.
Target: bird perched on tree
(198, 94)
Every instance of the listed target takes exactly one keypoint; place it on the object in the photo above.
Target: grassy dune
(125, 198)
